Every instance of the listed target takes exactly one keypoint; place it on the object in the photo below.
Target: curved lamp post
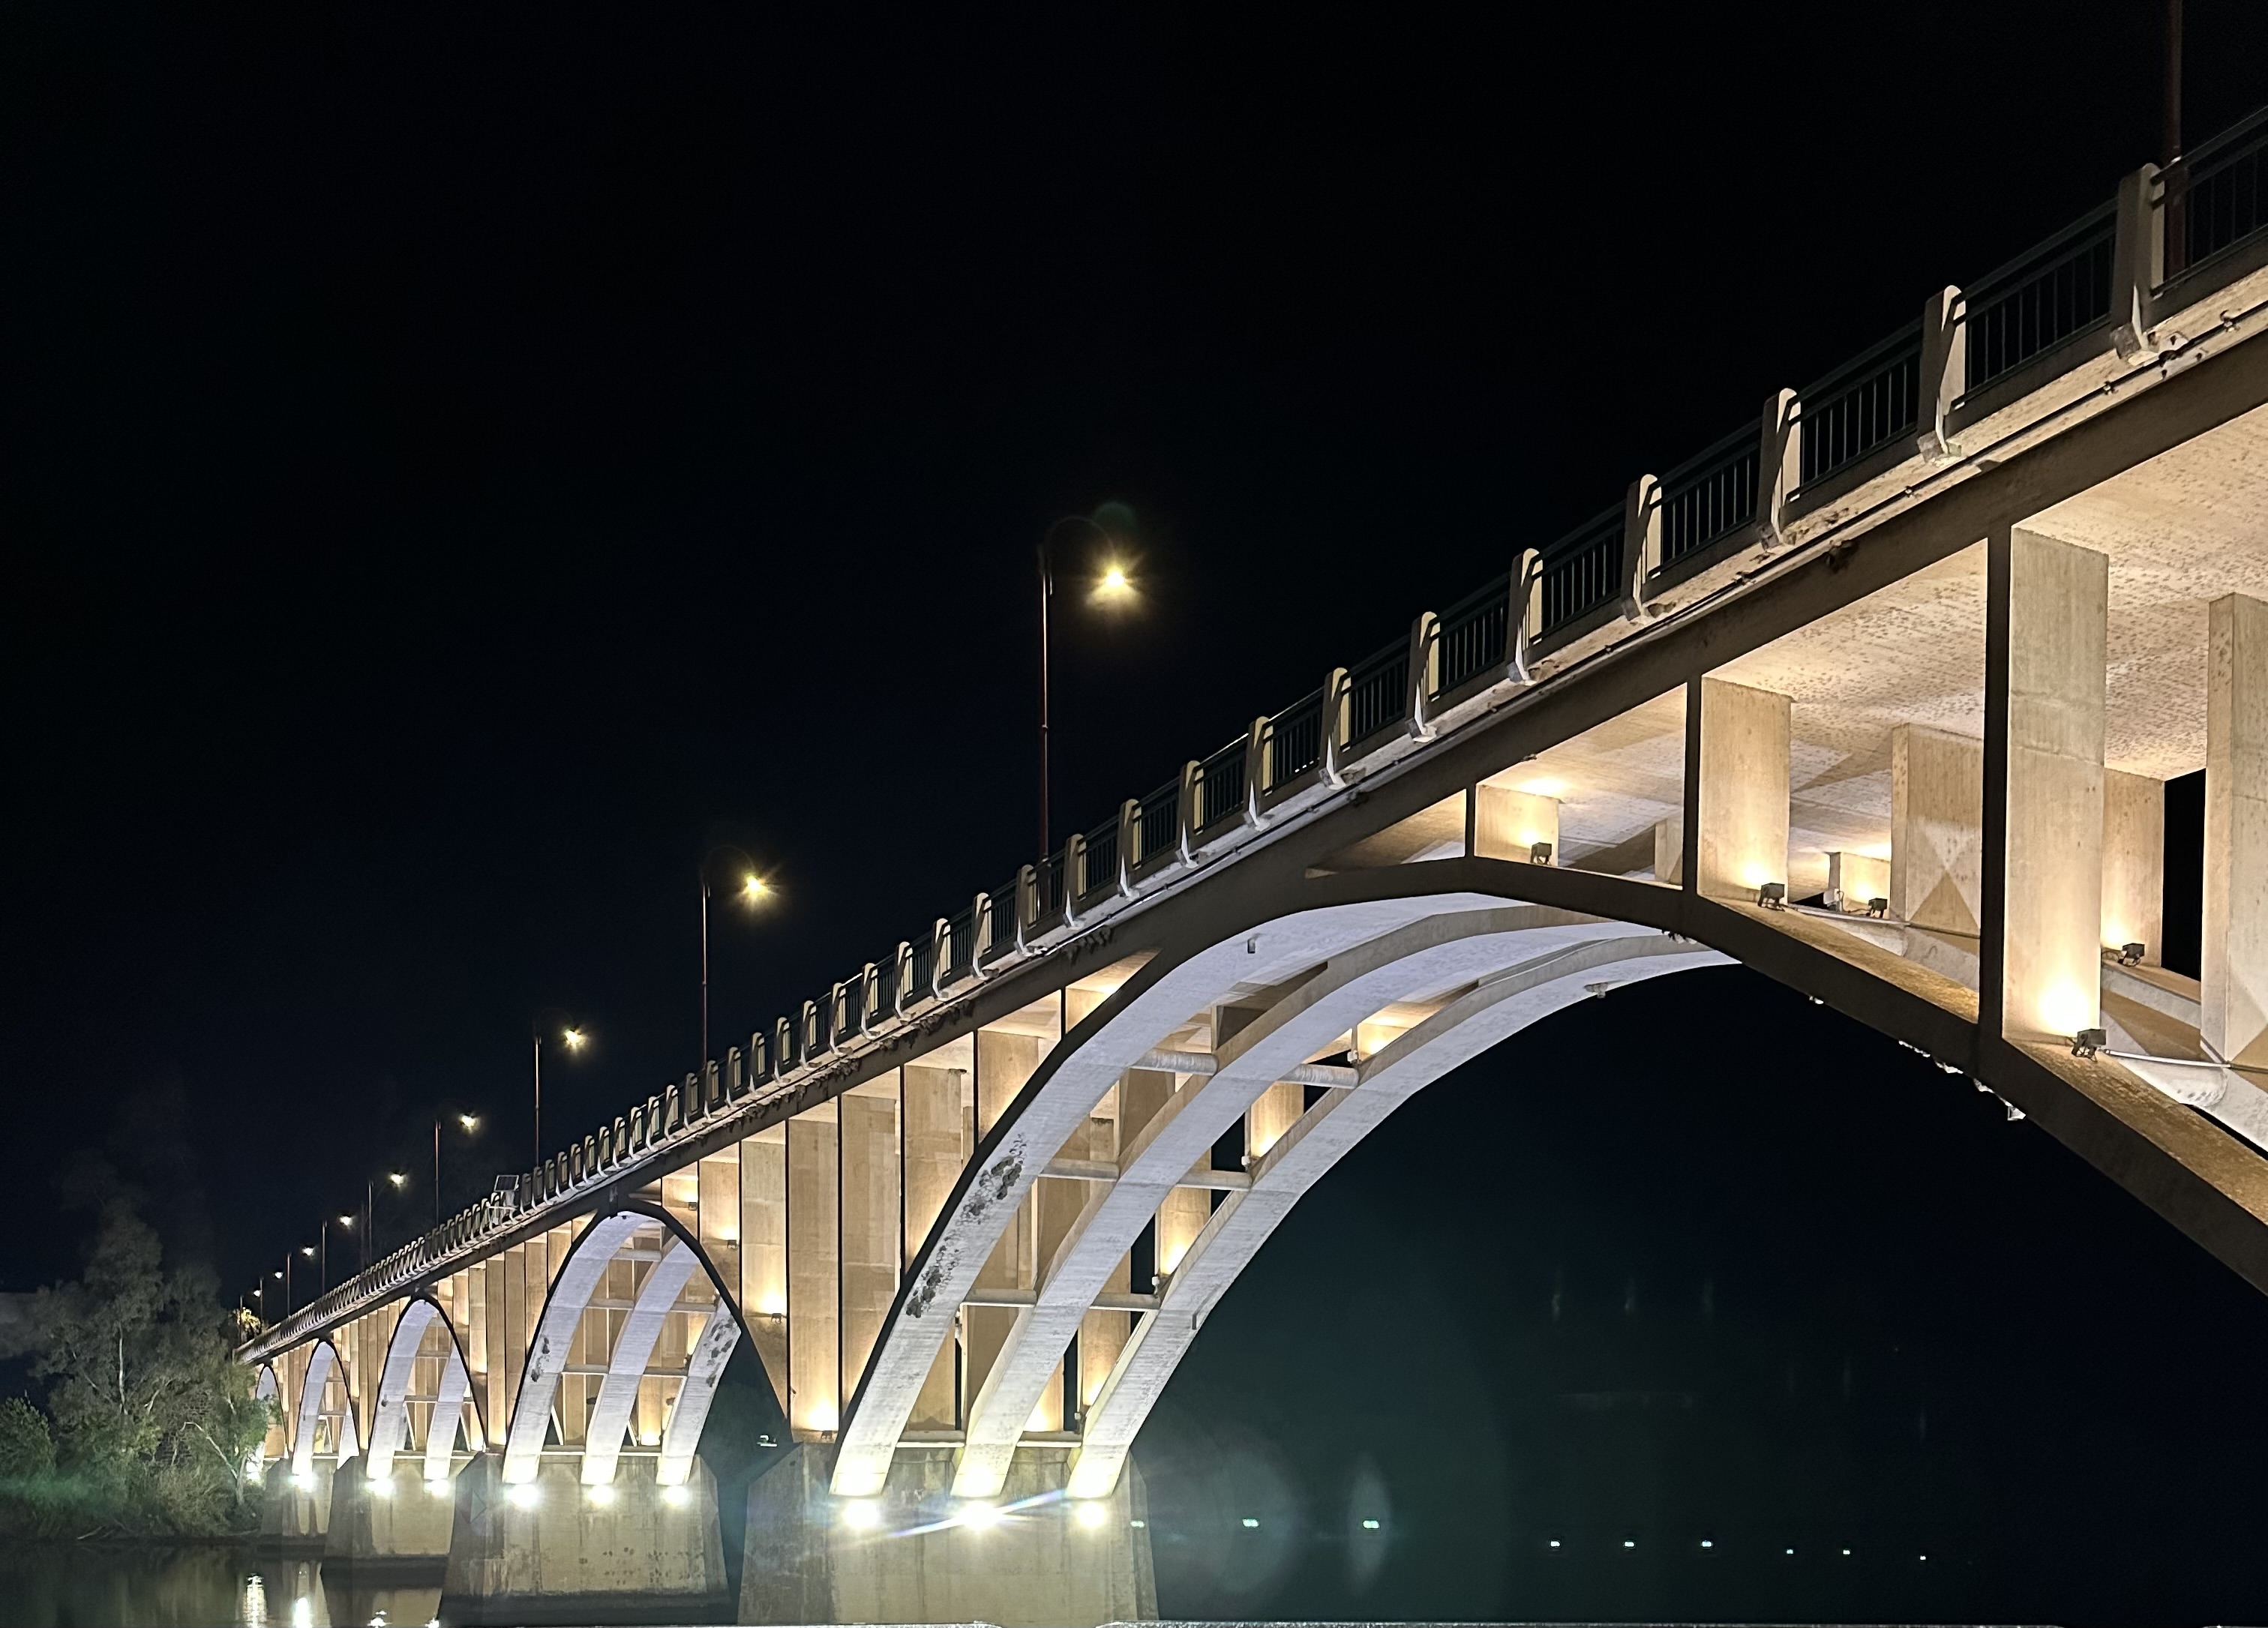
(1113, 581)
(751, 888)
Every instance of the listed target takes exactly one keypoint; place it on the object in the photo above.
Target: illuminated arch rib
(1461, 1031)
(323, 1366)
(571, 1293)
(390, 1422)
(1436, 954)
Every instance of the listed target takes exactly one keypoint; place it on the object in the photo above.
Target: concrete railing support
(2234, 1014)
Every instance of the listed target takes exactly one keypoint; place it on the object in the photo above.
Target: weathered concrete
(396, 1521)
(1507, 824)
(296, 1507)
(2049, 949)
(912, 1554)
(1937, 829)
(553, 1550)
(1743, 791)
(2134, 863)
(2235, 1007)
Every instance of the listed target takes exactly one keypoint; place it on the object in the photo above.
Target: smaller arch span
(571, 1295)
(390, 1419)
(323, 1366)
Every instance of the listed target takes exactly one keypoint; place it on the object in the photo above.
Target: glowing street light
(1112, 523)
(573, 1038)
(754, 891)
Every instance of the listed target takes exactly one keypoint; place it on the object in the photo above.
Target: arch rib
(586, 1263)
(626, 1364)
(681, 1436)
(1316, 1141)
(1055, 1102)
(320, 1362)
(1439, 950)
(390, 1419)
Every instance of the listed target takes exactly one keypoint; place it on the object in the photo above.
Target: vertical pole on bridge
(2040, 971)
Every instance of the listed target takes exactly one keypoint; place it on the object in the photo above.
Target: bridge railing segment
(2168, 241)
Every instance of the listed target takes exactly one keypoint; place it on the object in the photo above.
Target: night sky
(460, 467)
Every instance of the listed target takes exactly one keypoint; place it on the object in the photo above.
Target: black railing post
(2138, 262)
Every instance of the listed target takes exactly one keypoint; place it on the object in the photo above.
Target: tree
(153, 1418)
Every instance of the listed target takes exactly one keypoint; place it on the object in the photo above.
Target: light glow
(862, 1514)
(1092, 1514)
(471, 1122)
(2065, 1010)
(574, 1037)
(438, 1485)
(383, 1487)
(1370, 1526)
(754, 888)
(397, 1178)
(980, 1516)
(600, 1494)
(1250, 1525)
(1114, 583)
(304, 1480)
(773, 1304)
(676, 1497)
(1544, 787)
(525, 1496)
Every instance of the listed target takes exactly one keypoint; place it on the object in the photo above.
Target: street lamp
(752, 891)
(400, 1179)
(1112, 523)
(570, 1036)
(468, 1124)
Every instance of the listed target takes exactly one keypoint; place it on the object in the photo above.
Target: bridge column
(1740, 790)
(2047, 605)
(2134, 863)
(813, 1281)
(869, 1134)
(1507, 824)
(763, 1251)
(1937, 829)
(2235, 961)
(936, 1150)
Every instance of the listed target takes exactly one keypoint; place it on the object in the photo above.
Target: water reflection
(121, 1585)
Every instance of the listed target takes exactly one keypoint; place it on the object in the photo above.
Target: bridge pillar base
(553, 1555)
(293, 1516)
(906, 1556)
(397, 1525)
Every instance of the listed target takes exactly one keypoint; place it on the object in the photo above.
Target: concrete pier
(1030, 1558)
(297, 1510)
(554, 1551)
(400, 1521)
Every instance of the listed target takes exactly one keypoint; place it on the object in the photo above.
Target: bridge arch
(324, 1368)
(390, 1416)
(572, 1291)
(1351, 946)
(266, 1387)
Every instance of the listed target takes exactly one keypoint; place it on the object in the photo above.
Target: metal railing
(1220, 786)
(1293, 739)
(1157, 819)
(1473, 637)
(1377, 693)
(2210, 202)
(2040, 299)
(1101, 865)
(1710, 497)
(1870, 401)
(2217, 196)
(1582, 571)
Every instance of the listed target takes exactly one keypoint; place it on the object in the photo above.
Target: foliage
(150, 1421)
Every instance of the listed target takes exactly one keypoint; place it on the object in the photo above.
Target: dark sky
(461, 465)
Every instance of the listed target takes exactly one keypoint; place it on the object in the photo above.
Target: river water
(123, 1586)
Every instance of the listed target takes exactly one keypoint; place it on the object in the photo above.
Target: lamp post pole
(705, 963)
(539, 1097)
(1115, 583)
(287, 1281)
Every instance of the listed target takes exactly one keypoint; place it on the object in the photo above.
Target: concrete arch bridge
(1878, 695)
